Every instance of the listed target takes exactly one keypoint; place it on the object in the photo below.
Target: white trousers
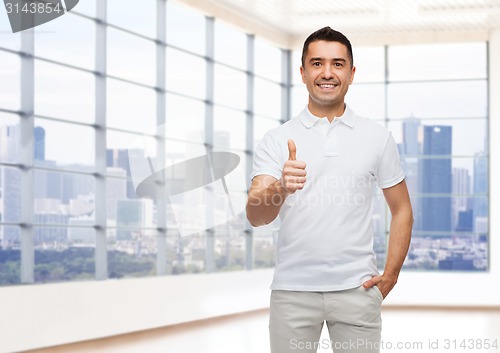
(352, 317)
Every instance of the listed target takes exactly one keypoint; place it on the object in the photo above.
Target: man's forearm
(399, 242)
(264, 205)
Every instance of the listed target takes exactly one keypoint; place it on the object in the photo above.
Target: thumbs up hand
(294, 171)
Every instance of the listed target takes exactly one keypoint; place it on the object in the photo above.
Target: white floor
(422, 331)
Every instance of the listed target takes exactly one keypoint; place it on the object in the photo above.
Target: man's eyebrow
(323, 59)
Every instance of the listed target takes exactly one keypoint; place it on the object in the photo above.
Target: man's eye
(316, 64)
(338, 64)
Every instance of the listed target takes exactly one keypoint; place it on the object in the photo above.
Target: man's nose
(327, 71)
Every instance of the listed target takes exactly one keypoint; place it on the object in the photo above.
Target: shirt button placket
(331, 140)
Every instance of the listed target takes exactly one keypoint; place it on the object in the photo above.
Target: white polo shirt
(326, 236)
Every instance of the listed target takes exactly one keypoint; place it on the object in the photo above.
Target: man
(317, 171)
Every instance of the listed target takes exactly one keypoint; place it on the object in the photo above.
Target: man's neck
(329, 112)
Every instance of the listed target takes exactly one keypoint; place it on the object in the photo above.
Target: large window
(111, 191)
(132, 158)
(434, 100)
(438, 114)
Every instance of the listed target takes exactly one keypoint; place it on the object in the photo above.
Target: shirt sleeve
(389, 171)
(267, 158)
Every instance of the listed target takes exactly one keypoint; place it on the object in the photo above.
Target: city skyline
(426, 155)
(450, 204)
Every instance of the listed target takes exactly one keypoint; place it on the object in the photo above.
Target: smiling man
(318, 172)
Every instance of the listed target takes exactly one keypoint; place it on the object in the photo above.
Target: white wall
(46, 315)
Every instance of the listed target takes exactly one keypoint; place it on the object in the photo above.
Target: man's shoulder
(369, 122)
(283, 129)
(376, 128)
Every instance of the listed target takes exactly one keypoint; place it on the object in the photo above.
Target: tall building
(133, 214)
(44, 236)
(412, 142)
(464, 221)
(436, 178)
(461, 186)
(118, 158)
(10, 183)
(48, 184)
(39, 143)
(410, 150)
(75, 185)
(480, 185)
(49, 211)
(11, 197)
(9, 142)
(116, 189)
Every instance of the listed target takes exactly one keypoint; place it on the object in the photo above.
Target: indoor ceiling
(292, 20)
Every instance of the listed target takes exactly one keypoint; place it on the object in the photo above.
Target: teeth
(328, 85)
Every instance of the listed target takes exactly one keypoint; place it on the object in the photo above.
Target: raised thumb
(292, 150)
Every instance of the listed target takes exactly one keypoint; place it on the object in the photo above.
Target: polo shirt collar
(309, 120)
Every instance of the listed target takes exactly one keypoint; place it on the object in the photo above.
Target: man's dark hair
(329, 35)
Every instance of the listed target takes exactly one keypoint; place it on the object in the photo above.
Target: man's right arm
(267, 194)
(265, 198)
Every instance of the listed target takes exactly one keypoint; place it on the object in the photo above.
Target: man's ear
(353, 71)
(302, 74)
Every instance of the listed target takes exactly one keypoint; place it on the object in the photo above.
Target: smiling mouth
(327, 85)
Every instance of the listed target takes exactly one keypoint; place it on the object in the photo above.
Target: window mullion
(161, 206)
(27, 124)
(101, 253)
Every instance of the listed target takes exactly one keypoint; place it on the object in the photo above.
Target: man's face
(327, 74)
